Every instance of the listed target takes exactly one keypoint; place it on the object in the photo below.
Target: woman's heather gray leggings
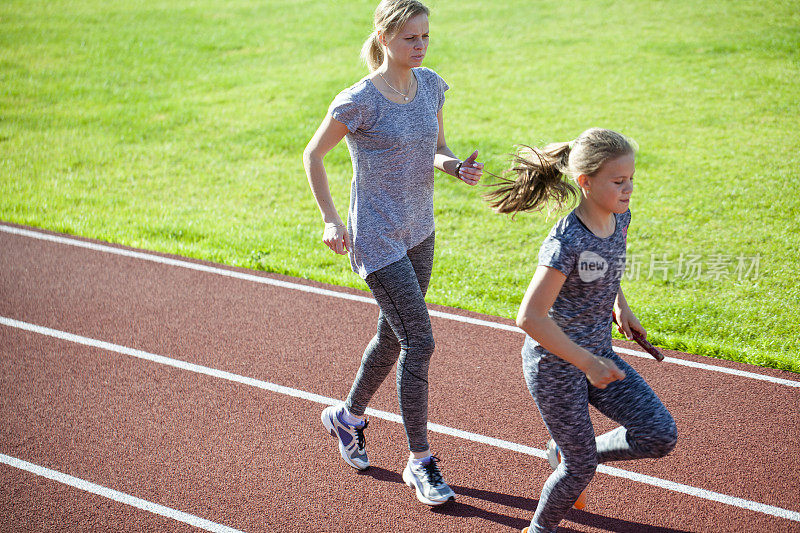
(404, 331)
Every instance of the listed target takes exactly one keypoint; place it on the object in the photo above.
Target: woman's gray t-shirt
(392, 147)
(594, 268)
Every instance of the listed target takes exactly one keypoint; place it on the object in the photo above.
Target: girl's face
(612, 186)
(408, 46)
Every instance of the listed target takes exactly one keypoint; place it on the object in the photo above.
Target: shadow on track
(381, 474)
(458, 508)
(529, 504)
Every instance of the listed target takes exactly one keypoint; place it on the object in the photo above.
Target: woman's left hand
(627, 322)
(471, 171)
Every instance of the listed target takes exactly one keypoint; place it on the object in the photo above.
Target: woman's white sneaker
(426, 479)
(350, 438)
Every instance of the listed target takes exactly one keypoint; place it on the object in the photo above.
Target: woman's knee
(416, 355)
(387, 339)
(419, 344)
(426, 345)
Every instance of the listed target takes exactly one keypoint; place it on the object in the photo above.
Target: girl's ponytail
(538, 179)
(372, 52)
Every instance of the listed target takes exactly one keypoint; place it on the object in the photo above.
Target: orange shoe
(554, 458)
(525, 530)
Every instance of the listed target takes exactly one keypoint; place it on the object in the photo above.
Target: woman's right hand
(602, 371)
(336, 238)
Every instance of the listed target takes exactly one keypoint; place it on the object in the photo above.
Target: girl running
(567, 310)
(392, 120)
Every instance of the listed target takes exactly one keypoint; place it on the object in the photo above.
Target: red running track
(145, 392)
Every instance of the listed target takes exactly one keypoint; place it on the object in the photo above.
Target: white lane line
(475, 437)
(117, 496)
(343, 295)
(713, 368)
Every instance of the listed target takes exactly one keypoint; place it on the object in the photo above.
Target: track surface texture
(145, 392)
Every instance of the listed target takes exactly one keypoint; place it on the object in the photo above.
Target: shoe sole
(326, 421)
(409, 479)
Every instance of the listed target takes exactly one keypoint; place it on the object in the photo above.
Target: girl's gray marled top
(594, 267)
(392, 147)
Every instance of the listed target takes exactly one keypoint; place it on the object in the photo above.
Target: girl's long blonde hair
(390, 16)
(539, 177)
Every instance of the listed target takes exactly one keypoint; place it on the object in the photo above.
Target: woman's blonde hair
(540, 176)
(390, 16)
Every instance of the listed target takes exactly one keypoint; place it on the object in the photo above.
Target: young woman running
(392, 120)
(567, 310)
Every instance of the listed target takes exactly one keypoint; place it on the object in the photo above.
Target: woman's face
(408, 46)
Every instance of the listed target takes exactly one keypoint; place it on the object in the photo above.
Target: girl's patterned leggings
(563, 394)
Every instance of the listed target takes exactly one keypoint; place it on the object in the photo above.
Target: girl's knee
(662, 440)
(581, 467)
(668, 439)
(581, 473)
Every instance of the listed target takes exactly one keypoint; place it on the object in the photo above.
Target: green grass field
(179, 127)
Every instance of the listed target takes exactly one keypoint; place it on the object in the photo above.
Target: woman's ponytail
(372, 52)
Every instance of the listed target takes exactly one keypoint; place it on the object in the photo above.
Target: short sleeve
(626, 220)
(556, 254)
(346, 111)
(623, 221)
(441, 87)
